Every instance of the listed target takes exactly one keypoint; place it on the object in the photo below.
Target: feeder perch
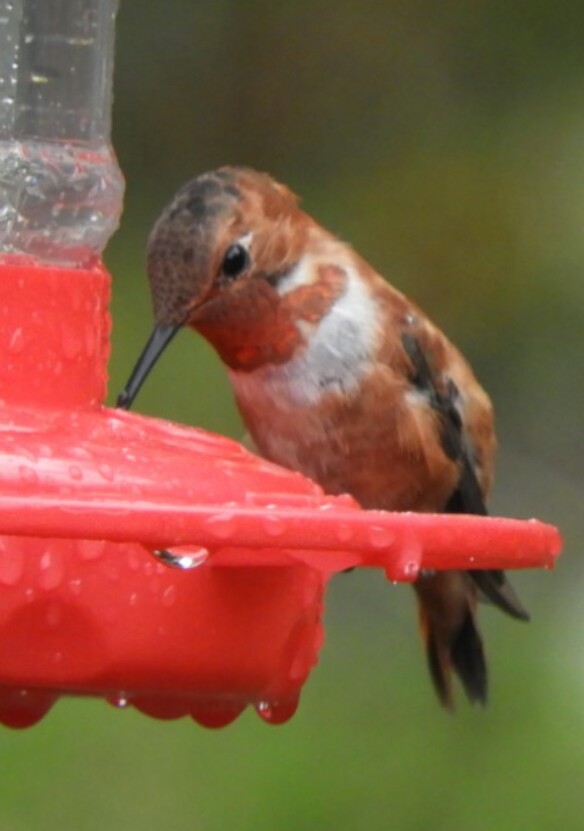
(95, 503)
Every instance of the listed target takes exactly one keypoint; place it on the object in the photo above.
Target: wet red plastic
(88, 493)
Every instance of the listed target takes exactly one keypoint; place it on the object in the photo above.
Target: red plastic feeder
(87, 494)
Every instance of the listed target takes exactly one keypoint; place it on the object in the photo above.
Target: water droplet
(81, 453)
(344, 532)
(274, 526)
(277, 712)
(91, 549)
(28, 453)
(120, 700)
(51, 569)
(28, 475)
(11, 563)
(75, 586)
(411, 570)
(16, 343)
(169, 596)
(106, 471)
(135, 558)
(404, 565)
(182, 557)
(380, 536)
(222, 525)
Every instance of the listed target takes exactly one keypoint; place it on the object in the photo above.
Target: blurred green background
(446, 142)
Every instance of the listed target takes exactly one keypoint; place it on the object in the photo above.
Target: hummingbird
(336, 374)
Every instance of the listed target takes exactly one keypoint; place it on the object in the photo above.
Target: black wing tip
(519, 613)
(498, 590)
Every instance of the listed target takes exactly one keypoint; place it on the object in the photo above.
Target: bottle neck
(54, 335)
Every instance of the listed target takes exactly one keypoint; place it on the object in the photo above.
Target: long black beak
(158, 341)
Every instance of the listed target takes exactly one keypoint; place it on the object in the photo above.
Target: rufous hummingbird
(336, 374)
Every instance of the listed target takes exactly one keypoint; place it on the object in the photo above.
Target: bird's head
(228, 257)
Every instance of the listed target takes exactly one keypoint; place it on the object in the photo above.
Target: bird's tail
(447, 609)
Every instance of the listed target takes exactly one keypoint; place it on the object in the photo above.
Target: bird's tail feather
(461, 654)
(454, 647)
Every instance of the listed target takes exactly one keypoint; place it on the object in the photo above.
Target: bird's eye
(235, 261)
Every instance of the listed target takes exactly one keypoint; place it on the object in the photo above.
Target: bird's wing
(467, 497)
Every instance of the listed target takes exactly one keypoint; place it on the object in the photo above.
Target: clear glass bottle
(61, 189)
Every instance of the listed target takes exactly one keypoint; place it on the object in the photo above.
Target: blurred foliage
(445, 142)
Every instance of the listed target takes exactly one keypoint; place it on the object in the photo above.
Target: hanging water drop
(119, 700)
(277, 712)
(411, 570)
(182, 557)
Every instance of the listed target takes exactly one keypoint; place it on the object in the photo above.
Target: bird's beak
(161, 336)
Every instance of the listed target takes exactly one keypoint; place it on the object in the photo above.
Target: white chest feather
(338, 349)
